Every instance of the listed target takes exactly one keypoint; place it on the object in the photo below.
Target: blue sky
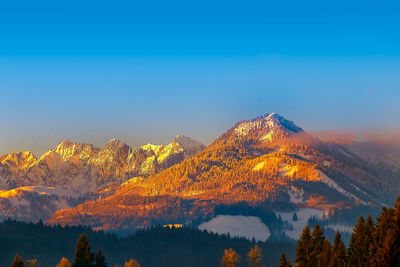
(144, 72)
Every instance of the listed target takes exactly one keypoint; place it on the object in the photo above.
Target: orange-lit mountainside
(265, 164)
(34, 188)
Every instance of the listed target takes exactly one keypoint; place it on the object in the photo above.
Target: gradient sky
(144, 72)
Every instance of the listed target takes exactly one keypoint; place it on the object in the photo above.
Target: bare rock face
(34, 188)
(85, 168)
(181, 148)
(189, 146)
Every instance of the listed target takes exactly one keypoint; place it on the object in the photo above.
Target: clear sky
(144, 71)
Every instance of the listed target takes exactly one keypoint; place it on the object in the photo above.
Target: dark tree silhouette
(83, 256)
(303, 248)
(338, 255)
(230, 258)
(18, 262)
(356, 251)
(316, 246)
(284, 262)
(100, 260)
(324, 257)
(254, 256)
(385, 222)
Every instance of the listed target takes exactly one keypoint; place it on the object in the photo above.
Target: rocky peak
(189, 145)
(276, 120)
(67, 149)
(267, 127)
(115, 152)
(115, 144)
(20, 160)
(65, 143)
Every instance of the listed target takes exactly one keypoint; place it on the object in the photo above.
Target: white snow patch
(332, 184)
(245, 127)
(302, 220)
(339, 228)
(239, 226)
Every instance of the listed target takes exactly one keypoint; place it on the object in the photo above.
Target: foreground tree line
(154, 246)
(83, 258)
(371, 244)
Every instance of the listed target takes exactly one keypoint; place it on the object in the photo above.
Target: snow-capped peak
(267, 127)
(279, 120)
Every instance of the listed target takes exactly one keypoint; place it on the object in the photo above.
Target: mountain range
(267, 167)
(33, 188)
(267, 164)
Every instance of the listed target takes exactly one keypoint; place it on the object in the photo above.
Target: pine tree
(230, 258)
(64, 263)
(338, 255)
(385, 222)
(100, 260)
(32, 263)
(18, 262)
(83, 257)
(386, 249)
(357, 252)
(324, 257)
(303, 248)
(132, 263)
(295, 218)
(284, 262)
(254, 256)
(316, 246)
(396, 249)
(368, 239)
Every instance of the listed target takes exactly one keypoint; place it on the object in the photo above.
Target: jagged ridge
(86, 168)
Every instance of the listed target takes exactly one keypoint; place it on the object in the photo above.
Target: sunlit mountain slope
(267, 163)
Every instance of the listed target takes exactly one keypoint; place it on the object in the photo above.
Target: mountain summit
(190, 146)
(267, 128)
(256, 163)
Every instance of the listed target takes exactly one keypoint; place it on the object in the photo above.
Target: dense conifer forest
(371, 244)
(155, 246)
